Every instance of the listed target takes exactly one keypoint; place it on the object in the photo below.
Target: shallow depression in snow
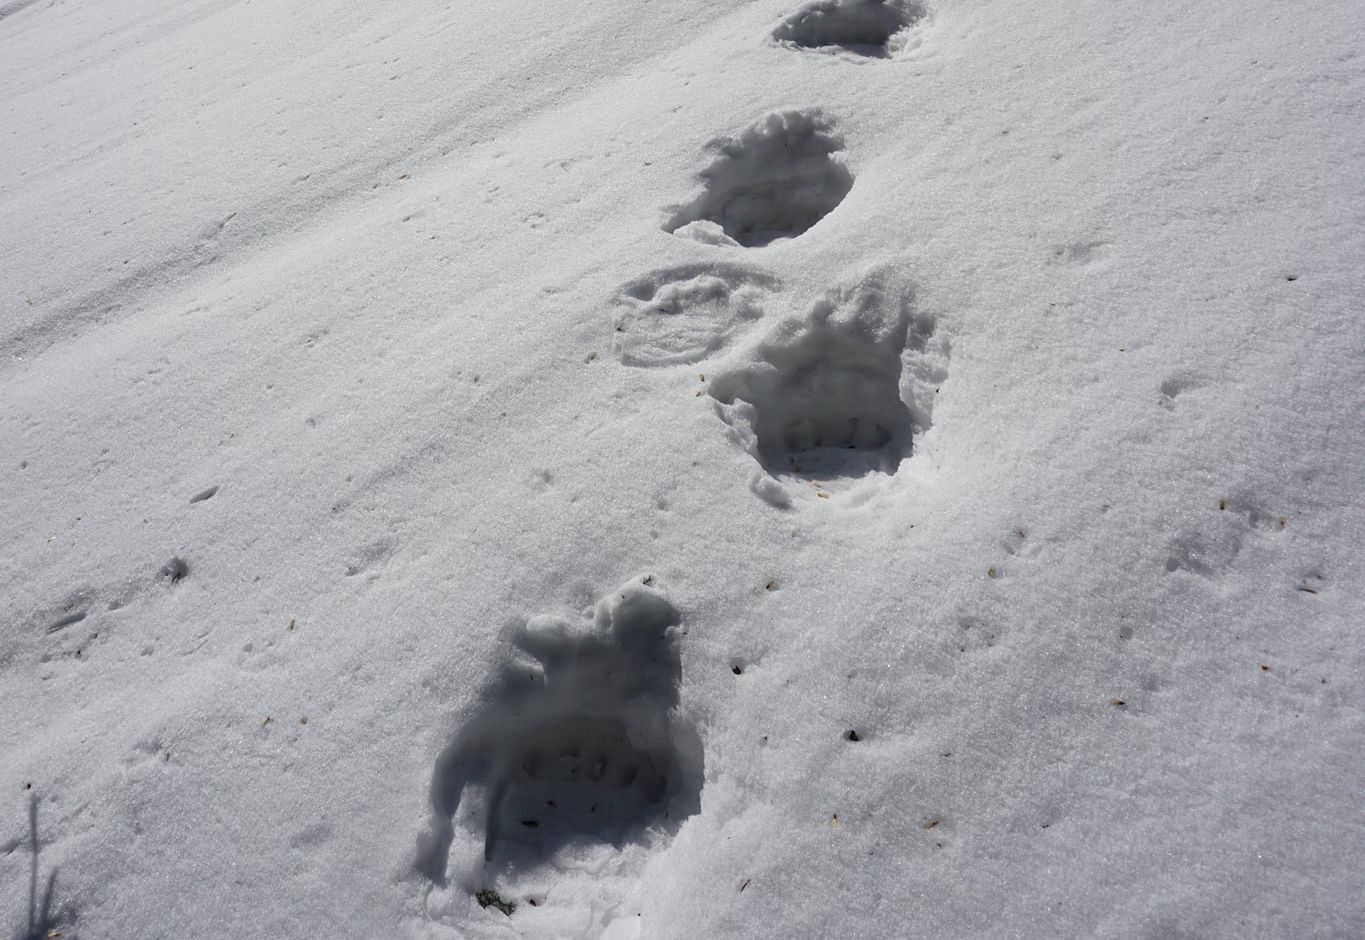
(683, 314)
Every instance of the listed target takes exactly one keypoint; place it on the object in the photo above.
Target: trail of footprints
(578, 763)
(578, 755)
(842, 391)
(839, 392)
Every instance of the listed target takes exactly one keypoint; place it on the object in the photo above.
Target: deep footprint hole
(822, 397)
(832, 419)
(863, 27)
(774, 181)
(578, 744)
(580, 779)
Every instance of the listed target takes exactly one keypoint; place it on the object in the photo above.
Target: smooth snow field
(682, 469)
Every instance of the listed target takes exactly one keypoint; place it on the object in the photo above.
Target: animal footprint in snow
(577, 741)
(1176, 385)
(863, 27)
(774, 181)
(821, 397)
(685, 314)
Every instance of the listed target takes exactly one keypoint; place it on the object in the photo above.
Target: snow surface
(978, 553)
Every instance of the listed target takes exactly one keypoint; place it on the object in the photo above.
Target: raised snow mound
(862, 27)
(822, 397)
(577, 741)
(776, 180)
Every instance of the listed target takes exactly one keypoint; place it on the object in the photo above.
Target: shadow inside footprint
(863, 27)
(821, 398)
(775, 180)
(577, 740)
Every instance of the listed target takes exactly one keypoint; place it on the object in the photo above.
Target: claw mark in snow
(1080, 252)
(71, 611)
(65, 621)
(367, 556)
(774, 181)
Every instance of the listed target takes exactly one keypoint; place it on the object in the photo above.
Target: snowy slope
(616, 405)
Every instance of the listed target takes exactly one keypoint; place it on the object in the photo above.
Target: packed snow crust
(682, 469)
